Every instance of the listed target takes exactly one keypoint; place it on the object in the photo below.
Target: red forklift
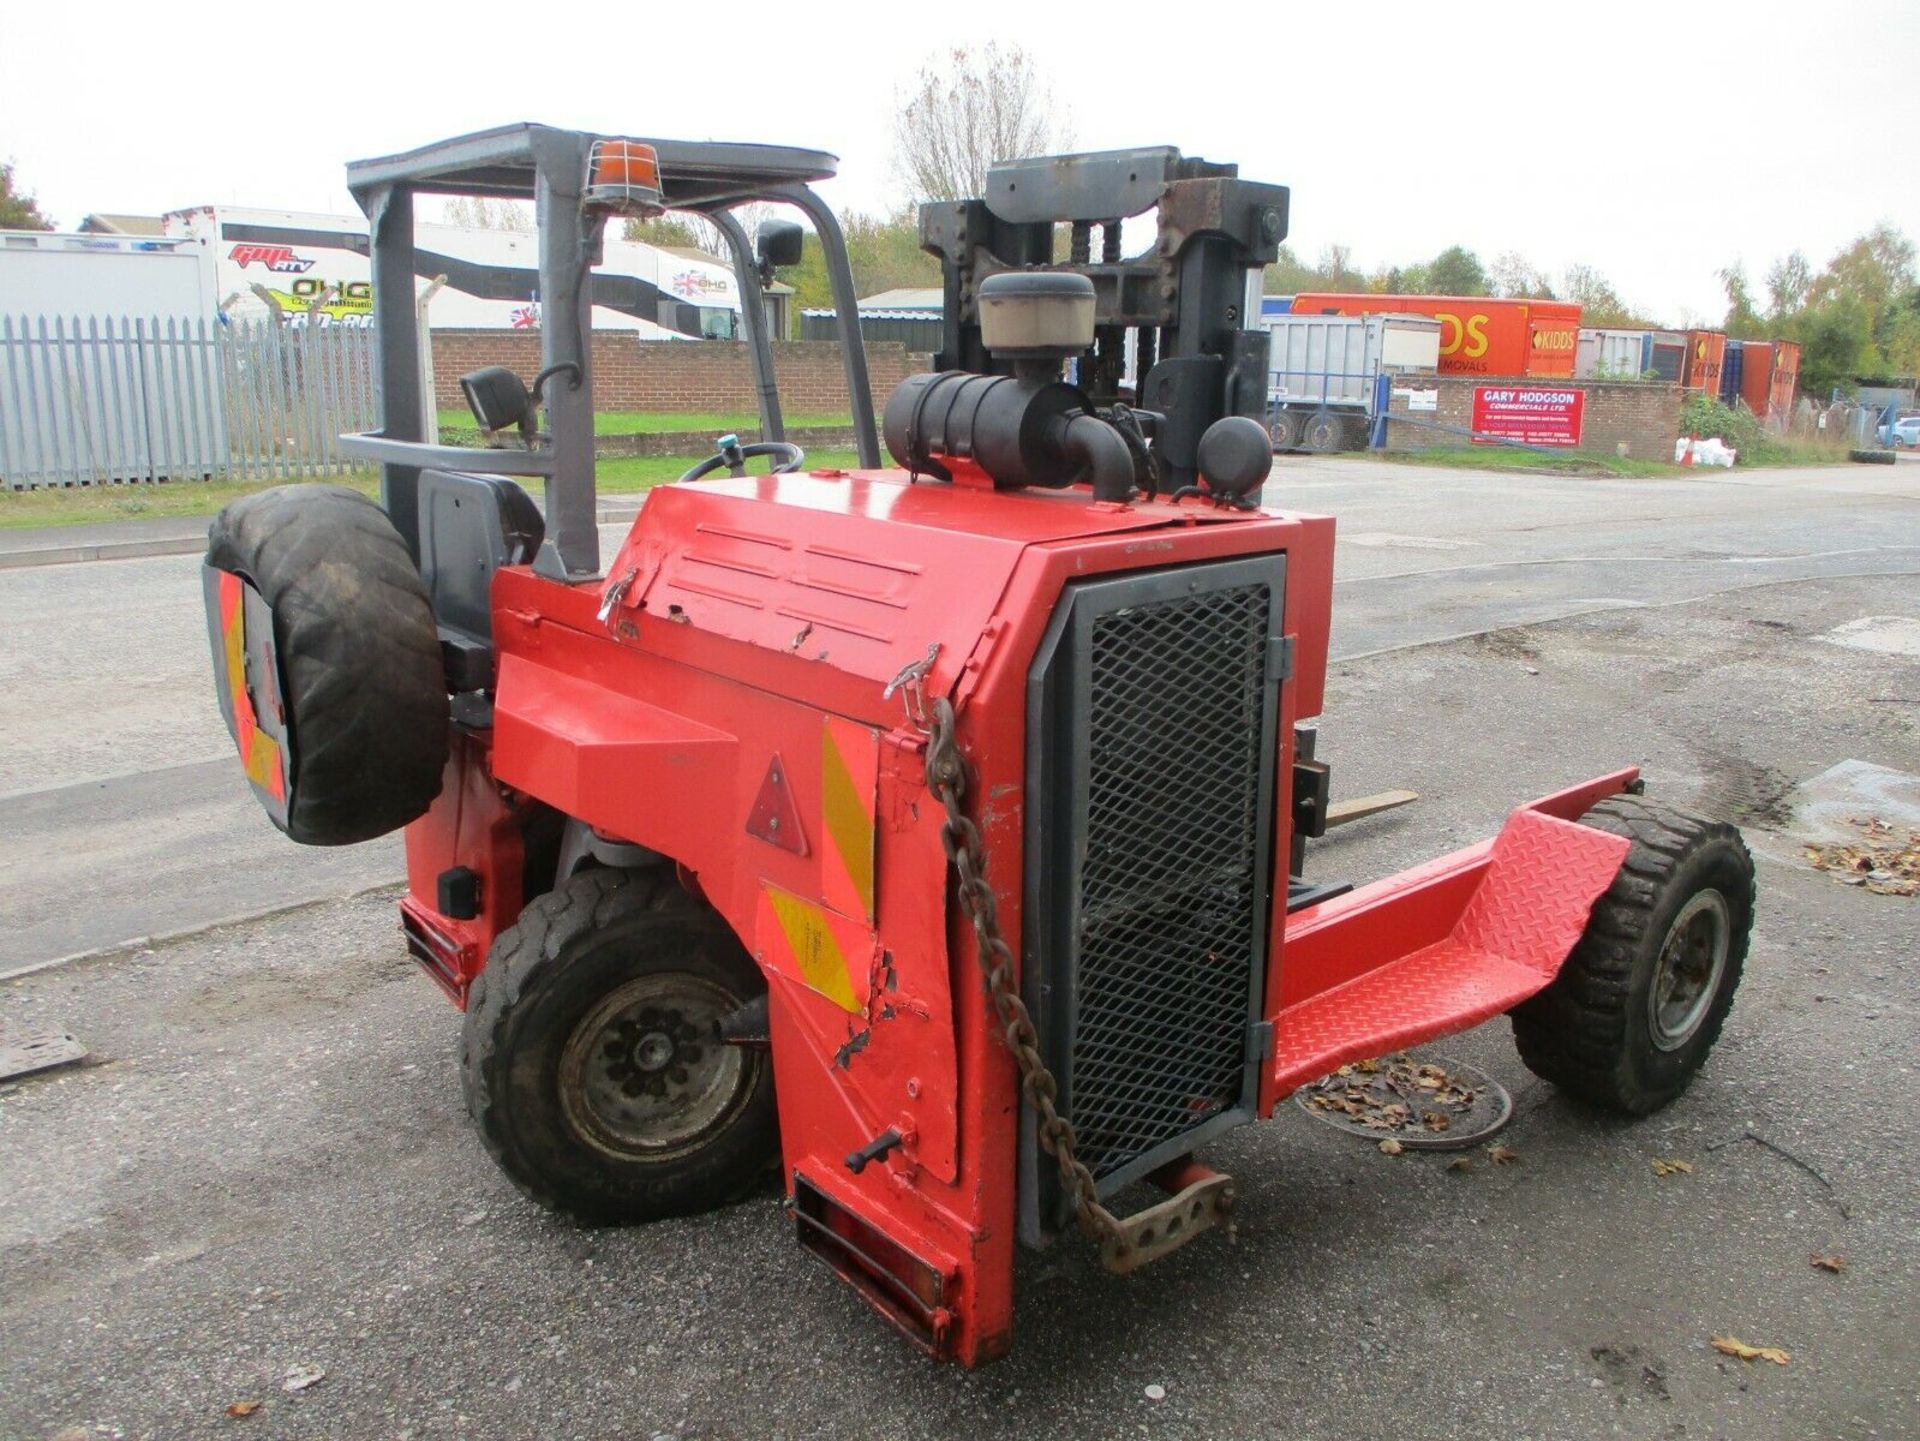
(930, 834)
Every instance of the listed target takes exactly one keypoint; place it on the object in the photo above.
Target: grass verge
(1533, 462)
(96, 504)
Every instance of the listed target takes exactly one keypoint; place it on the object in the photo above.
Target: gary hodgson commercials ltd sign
(1536, 416)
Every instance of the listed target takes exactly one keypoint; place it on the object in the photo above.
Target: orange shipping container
(1786, 379)
(1478, 335)
(1769, 375)
(1706, 354)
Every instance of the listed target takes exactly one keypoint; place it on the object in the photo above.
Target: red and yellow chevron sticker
(827, 954)
(849, 778)
(259, 752)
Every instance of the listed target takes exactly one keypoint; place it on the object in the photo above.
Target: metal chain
(947, 778)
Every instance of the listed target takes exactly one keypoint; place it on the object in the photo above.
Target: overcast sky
(1657, 142)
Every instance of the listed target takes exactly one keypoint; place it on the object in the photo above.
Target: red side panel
(594, 752)
(469, 824)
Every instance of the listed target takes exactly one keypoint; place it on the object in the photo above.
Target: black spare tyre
(326, 662)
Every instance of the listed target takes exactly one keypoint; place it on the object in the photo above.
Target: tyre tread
(542, 940)
(1574, 1032)
(359, 653)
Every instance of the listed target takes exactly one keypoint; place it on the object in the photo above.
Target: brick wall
(700, 442)
(688, 376)
(1642, 416)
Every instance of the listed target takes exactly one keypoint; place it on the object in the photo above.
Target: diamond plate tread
(1526, 915)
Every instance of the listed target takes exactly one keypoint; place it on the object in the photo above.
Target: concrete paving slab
(1887, 634)
(1830, 806)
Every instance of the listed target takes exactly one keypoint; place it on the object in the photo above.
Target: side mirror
(498, 399)
(778, 243)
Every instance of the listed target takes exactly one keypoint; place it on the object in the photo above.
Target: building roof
(906, 299)
(102, 222)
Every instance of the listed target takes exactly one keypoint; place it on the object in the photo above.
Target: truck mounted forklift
(932, 834)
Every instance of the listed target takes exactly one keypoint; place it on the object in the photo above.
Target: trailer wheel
(591, 1061)
(1325, 433)
(1640, 1001)
(351, 670)
(1285, 426)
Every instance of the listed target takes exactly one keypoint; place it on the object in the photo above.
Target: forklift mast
(1174, 318)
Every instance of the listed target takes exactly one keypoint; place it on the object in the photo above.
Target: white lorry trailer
(108, 368)
(314, 269)
(1323, 372)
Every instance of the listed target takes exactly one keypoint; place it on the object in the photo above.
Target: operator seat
(470, 526)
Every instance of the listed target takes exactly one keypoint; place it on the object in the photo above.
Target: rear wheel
(1285, 426)
(1325, 433)
(1632, 1014)
(592, 1062)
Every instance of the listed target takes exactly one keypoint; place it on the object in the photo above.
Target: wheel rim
(644, 1075)
(1693, 958)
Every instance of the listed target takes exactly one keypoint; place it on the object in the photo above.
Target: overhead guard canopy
(502, 163)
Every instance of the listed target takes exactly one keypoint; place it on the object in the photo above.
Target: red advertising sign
(1536, 415)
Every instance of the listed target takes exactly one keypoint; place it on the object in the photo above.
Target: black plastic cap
(1236, 455)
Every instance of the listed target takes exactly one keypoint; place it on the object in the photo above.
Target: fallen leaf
(1437, 1121)
(1460, 1163)
(1825, 1262)
(1391, 1147)
(243, 1408)
(1733, 1346)
(1502, 1155)
(299, 1378)
(1672, 1168)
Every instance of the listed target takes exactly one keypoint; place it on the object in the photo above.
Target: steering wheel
(733, 457)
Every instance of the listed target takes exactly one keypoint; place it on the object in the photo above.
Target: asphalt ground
(265, 1166)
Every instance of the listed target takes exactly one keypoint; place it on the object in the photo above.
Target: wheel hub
(1693, 958)
(643, 1075)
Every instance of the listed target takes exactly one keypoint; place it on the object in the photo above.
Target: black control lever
(874, 1150)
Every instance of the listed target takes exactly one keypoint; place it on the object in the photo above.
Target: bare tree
(697, 232)
(967, 109)
(476, 212)
(1336, 269)
(1513, 274)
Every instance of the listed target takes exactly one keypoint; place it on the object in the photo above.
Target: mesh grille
(1167, 937)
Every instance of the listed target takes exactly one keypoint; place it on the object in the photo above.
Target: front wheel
(593, 1065)
(1640, 1001)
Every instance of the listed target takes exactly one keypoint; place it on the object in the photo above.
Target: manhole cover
(1421, 1102)
(23, 1053)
